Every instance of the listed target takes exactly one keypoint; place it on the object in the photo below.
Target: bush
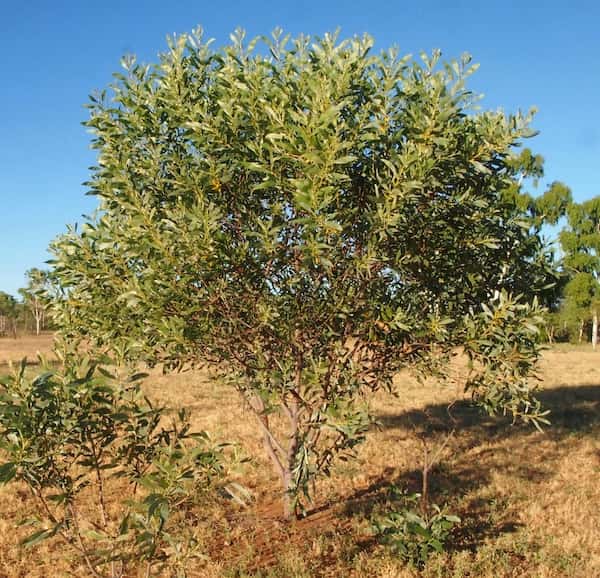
(415, 536)
(74, 437)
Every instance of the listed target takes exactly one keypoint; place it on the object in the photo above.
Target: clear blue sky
(55, 52)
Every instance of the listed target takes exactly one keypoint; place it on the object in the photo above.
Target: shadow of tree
(574, 411)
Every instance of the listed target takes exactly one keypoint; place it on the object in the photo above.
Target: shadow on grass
(575, 411)
(572, 409)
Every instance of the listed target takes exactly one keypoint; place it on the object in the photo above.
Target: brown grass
(14, 350)
(529, 501)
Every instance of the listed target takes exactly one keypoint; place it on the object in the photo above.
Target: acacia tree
(580, 242)
(306, 218)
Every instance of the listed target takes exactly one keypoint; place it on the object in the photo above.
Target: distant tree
(552, 205)
(9, 314)
(580, 242)
(545, 209)
(540, 211)
(33, 296)
(307, 219)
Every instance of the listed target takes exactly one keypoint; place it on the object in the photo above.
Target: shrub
(414, 536)
(80, 437)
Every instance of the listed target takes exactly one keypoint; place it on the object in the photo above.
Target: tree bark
(595, 330)
(292, 449)
(581, 323)
(282, 459)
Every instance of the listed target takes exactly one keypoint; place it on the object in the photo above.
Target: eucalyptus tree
(307, 218)
(580, 242)
(542, 210)
(33, 296)
(545, 209)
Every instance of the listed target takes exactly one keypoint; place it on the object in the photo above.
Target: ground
(528, 500)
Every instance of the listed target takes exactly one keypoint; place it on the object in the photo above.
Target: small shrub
(415, 536)
(77, 438)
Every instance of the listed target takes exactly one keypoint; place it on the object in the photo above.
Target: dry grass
(529, 501)
(14, 350)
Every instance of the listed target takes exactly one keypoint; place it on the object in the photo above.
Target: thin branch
(271, 444)
(437, 454)
(66, 538)
(102, 503)
(73, 511)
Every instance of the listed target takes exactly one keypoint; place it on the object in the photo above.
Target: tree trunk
(595, 330)
(581, 323)
(289, 510)
(38, 314)
(282, 459)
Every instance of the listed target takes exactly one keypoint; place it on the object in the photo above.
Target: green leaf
(36, 538)
(8, 471)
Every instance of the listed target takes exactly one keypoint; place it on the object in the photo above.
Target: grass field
(14, 350)
(529, 501)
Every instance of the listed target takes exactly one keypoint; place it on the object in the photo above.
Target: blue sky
(54, 53)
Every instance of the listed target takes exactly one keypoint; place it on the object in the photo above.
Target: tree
(307, 219)
(8, 314)
(539, 211)
(545, 209)
(580, 242)
(32, 296)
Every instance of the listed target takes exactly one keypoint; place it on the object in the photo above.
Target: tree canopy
(580, 242)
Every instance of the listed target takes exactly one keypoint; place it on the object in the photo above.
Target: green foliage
(545, 209)
(306, 217)
(581, 290)
(580, 242)
(502, 344)
(8, 304)
(553, 204)
(70, 436)
(9, 311)
(414, 536)
(35, 296)
(581, 239)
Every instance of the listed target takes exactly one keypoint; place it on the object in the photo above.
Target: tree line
(574, 315)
